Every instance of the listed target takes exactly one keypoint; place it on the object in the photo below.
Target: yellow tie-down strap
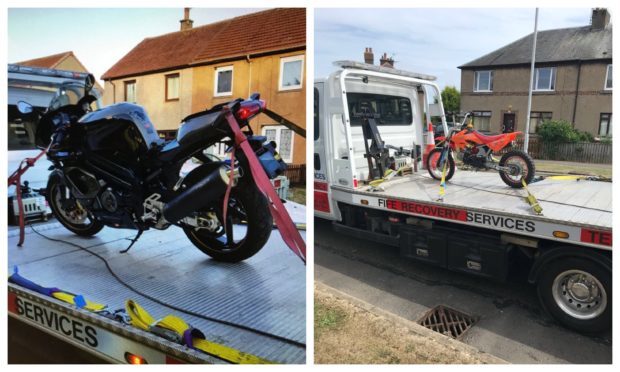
(78, 301)
(140, 318)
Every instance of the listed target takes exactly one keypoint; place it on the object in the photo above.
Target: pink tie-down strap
(289, 232)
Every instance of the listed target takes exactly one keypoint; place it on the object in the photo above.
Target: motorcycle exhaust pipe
(199, 195)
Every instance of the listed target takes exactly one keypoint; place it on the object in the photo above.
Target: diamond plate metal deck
(266, 292)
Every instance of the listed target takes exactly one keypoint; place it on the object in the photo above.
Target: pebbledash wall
(196, 92)
(510, 89)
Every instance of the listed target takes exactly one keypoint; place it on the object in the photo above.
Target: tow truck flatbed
(582, 208)
(266, 292)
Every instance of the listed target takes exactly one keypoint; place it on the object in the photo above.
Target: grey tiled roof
(565, 44)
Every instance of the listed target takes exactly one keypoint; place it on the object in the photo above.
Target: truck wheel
(70, 214)
(434, 168)
(246, 206)
(577, 292)
(521, 166)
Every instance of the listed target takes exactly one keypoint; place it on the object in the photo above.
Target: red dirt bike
(476, 150)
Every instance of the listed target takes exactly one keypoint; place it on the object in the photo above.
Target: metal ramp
(266, 292)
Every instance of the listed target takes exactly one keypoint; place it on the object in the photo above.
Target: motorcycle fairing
(495, 143)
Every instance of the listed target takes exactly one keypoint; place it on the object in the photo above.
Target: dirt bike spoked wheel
(248, 226)
(434, 163)
(69, 212)
(521, 168)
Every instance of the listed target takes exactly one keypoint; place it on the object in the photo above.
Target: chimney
(600, 18)
(369, 57)
(186, 23)
(386, 61)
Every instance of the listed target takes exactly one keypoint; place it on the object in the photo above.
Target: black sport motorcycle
(110, 168)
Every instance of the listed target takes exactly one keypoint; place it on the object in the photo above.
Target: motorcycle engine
(476, 159)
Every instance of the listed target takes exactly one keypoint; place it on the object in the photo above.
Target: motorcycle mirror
(89, 83)
(24, 107)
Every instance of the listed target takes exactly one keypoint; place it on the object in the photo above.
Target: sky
(427, 40)
(98, 37)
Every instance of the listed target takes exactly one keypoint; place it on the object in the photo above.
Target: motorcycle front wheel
(248, 215)
(521, 168)
(69, 212)
(435, 166)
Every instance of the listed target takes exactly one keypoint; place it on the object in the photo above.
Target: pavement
(511, 324)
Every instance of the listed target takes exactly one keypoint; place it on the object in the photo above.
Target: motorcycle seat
(487, 139)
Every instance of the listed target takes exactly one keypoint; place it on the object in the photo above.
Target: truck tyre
(433, 166)
(247, 205)
(521, 162)
(577, 292)
(71, 215)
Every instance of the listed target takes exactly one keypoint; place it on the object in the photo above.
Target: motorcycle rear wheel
(521, 160)
(247, 206)
(70, 218)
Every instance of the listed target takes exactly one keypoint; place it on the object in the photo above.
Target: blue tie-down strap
(23, 282)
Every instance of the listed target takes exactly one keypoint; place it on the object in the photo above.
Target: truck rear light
(560, 234)
(364, 201)
(134, 359)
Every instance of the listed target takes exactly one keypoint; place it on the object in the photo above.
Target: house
(61, 61)
(180, 73)
(572, 81)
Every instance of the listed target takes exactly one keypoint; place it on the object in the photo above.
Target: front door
(508, 124)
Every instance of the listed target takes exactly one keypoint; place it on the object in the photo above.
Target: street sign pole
(526, 143)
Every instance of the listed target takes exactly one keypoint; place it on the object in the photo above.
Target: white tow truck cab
(480, 226)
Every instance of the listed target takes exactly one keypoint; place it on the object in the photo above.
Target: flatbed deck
(581, 208)
(265, 292)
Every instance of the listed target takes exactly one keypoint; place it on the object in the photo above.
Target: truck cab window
(391, 110)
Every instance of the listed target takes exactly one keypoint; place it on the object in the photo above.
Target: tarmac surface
(511, 325)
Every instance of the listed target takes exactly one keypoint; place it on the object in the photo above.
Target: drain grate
(447, 321)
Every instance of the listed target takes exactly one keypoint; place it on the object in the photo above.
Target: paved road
(511, 326)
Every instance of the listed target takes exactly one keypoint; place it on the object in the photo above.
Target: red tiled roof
(266, 31)
(47, 61)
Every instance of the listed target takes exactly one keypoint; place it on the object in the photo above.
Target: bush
(559, 131)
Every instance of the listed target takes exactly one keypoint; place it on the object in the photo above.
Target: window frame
(284, 60)
(135, 90)
(477, 80)
(551, 80)
(482, 114)
(279, 129)
(607, 76)
(217, 78)
(540, 116)
(609, 124)
(168, 76)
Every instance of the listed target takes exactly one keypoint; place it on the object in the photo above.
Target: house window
(483, 81)
(608, 78)
(537, 118)
(172, 87)
(604, 125)
(544, 78)
(283, 138)
(482, 120)
(223, 81)
(291, 72)
(130, 91)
